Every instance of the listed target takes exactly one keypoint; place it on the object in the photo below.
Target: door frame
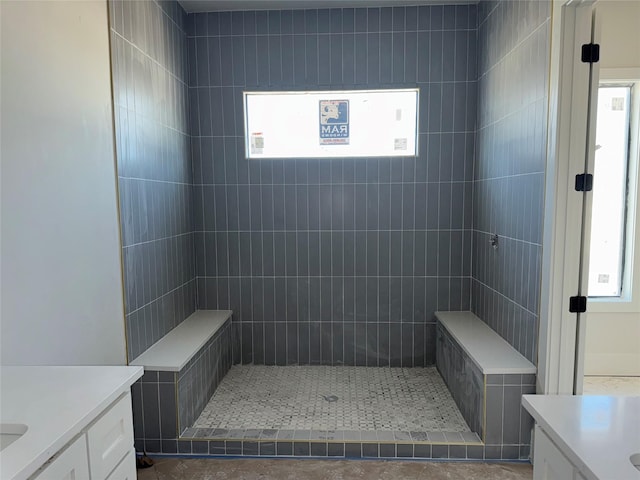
(560, 338)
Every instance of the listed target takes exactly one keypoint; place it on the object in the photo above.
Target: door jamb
(566, 151)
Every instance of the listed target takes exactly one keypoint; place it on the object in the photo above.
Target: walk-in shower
(333, 268)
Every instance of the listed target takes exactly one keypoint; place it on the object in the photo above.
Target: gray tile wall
(149, 63)
(513, 47)
(507, 424)
(338, 261)
(155, 415)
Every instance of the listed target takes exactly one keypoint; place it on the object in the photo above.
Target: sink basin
(10, 432)
(635, 460)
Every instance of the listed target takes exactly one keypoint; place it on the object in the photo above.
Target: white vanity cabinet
(126, 470)
(103, 451)
(69, 464)
(549, 463)
(110, 441)
(584, 437)
(76, 423)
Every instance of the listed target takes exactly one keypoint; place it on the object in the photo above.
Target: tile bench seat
(487, 378)
(182, 371)
(173, 351)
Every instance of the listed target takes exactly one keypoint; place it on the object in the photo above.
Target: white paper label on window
(257, 142)
(617, 104)
(400, 144)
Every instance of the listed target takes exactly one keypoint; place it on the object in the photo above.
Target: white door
(612, 346)
(590, 56)
(605, 108)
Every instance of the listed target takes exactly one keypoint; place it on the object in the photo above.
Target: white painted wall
(613, 328)
(61, 287)
(620, 35)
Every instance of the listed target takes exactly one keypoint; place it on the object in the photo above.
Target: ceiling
(224, 5)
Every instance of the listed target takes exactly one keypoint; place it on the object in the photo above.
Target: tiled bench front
(487, 378)
(182, 370)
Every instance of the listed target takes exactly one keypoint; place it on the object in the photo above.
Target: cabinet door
(548, 462)
(110, 438)
(127, 468)
(70, 464)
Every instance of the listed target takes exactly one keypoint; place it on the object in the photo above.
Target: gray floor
(332, 398)
(258, 469)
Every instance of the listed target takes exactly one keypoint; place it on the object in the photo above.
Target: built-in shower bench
(173, 351)
(487, 378)
(182, 370)
(491, 353)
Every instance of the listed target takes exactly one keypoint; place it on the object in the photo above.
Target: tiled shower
(334, 261)
(330, 262)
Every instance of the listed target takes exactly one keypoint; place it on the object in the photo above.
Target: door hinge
(590, 53)
(584, 182)
(577, 304)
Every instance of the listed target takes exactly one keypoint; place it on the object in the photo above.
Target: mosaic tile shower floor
(332, 398)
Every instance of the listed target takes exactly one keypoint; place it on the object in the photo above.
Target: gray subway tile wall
(334, 261)
(154, 411)
(513, 46)
(149, 64)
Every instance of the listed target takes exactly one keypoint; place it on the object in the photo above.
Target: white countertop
(597, 434)
(173, 351)
(55, 403)
(489, 351)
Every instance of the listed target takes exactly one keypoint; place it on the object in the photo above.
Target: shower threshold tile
(352, 436)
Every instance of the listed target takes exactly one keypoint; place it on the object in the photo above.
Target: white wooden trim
(560, 81)
(569, 87)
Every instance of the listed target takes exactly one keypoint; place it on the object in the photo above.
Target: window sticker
(334, 122)
(257, 143)
(400, 144)
(617, 104)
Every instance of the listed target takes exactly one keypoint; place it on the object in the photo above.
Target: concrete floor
(282, 469)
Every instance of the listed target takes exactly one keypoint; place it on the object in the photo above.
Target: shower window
(336, 123)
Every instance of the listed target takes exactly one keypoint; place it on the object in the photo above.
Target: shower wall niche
(334, 261)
